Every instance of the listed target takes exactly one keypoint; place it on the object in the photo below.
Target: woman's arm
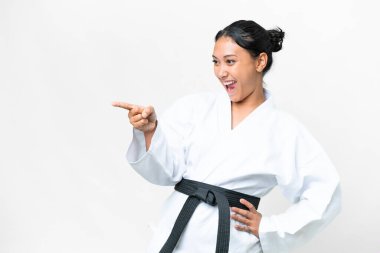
(314, 189)
(158, 153)
(141, 118)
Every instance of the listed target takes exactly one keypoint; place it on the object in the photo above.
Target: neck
(252, 101)
(241, 109)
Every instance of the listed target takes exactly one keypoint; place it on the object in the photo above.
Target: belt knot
(205, 195)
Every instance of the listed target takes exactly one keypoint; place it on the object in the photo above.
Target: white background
(65, 185)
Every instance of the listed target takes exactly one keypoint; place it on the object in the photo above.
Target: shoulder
(290, 126)
(294, 131)
(290, 121)
(287, 121)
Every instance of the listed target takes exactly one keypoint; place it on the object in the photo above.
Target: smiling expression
(237, 70)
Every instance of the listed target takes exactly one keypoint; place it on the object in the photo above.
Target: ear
(261, 62)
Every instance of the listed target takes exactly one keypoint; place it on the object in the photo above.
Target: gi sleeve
(313, 188)
(165, 161)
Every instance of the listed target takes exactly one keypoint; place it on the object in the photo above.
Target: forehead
(227, 46)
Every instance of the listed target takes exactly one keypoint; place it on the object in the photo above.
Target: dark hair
(254, 38)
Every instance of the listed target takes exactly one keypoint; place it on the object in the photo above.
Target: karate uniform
(269, 148)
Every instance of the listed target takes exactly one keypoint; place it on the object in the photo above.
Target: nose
(221, 72)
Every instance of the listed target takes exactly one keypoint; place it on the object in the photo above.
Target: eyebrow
(225, 56)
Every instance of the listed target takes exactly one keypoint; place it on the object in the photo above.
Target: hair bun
(276, 37)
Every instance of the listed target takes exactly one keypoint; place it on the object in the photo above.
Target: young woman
(225, 150)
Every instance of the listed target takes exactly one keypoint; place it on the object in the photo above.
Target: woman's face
(237, 70)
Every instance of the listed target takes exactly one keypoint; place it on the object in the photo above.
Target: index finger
(248, 205)
(123, 105)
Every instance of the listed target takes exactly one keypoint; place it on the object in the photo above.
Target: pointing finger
(123, 105)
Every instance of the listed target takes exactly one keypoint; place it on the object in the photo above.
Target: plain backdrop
(65, 185)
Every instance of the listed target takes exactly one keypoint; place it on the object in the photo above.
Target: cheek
(249, 76)
(247, 82)
(238, 75)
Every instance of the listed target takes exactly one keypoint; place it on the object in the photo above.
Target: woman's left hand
(250, 218)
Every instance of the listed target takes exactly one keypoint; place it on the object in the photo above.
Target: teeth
(229, 83)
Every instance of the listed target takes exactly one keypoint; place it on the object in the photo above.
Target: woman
(233, 140)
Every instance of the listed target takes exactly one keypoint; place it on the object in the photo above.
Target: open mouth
(230, 86)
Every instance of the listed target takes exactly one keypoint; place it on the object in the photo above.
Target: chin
(235, 99)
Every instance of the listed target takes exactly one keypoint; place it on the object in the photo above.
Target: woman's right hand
(141, 118)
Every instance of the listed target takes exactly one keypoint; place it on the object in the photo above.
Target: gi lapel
(229, 139)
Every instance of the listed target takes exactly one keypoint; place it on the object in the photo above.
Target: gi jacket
(269, 148)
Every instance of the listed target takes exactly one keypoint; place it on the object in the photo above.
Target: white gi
(269, 148)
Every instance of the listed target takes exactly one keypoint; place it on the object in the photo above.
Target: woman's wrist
(149, 135)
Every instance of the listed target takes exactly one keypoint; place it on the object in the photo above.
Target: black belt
(212, 195)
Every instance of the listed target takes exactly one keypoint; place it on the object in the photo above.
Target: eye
(214, 61)
(230, 62)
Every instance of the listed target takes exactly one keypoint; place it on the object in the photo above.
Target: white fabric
(269, 148)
